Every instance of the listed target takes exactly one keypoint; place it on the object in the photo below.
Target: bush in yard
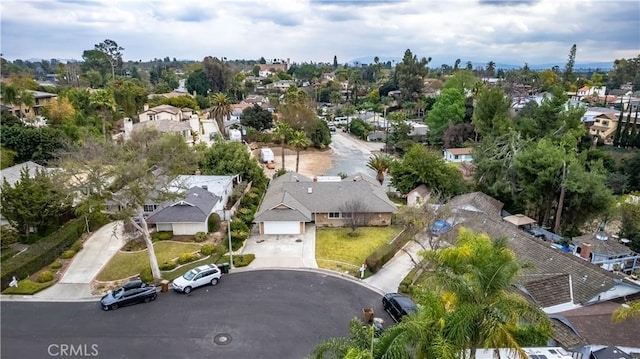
(237, 238)
(243, 260)
(146, 275)
(377, 259)
(8, 236)
(187, 257)
(77, 246)
(213, 224)
(207, 249)
(55, 265)
(200, 237)
(168, 265)
(161, 236)
(238, 225)
(45, 276)
(69, 253)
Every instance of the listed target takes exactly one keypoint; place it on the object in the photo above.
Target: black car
(133, 292)
(398, 305)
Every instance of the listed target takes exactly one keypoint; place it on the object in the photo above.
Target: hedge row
(45, 251)
(382, 255)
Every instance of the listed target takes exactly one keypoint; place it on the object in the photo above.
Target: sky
(508, 32)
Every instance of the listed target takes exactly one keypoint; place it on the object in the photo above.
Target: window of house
(150, 207)
(334, 215)
(455, 157)
(347, 215)
(605, 123)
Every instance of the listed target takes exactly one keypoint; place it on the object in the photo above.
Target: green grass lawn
(124, 264)
(337, 250)
(27, 287)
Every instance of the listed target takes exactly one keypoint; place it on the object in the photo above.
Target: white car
(197, 277)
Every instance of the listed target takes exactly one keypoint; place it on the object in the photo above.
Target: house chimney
(586, 251)
(198, 173)
(146, 107)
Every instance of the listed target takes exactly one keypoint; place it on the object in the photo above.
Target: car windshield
(189, 275)
(118, 293)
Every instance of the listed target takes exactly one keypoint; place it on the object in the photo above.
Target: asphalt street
(351, 155)
(255, 314)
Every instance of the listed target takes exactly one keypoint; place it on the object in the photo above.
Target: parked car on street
(197, 277)
(133, 292)
(398, 305)
(439, 227)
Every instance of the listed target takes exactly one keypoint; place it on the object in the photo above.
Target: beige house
(165, 112)
(292, 200)
(41, 99)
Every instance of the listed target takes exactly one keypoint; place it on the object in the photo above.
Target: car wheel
(146, 299)
(214, 281)
(187, 290)
(154, 296)
(114, 306)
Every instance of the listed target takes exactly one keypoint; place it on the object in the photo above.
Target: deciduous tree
(448, 110)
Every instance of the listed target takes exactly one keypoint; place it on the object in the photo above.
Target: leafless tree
(355, 214)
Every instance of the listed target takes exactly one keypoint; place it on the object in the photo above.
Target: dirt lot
(312, 162)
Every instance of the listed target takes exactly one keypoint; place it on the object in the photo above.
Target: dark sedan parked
(131, 293)
(398, 305)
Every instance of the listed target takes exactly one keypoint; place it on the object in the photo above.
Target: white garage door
(281, 227)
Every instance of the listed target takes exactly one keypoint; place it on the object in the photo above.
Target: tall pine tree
(618, 133)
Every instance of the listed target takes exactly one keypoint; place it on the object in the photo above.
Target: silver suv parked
(197, 277)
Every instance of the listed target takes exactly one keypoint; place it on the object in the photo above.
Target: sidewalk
(388, 278)
(75, 284)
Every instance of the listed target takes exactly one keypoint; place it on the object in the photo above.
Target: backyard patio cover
(519, 220)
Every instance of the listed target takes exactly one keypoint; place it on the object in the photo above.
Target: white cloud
(309, 30)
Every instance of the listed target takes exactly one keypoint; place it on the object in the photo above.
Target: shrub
(238, 225)
(170, 265)
(207, 249)
(187, 257)
(55, 265)
(377, 259)
(237, 238)
(213, 224)
(146, 275)
(77, 246)
(69, 253)
(45, 276)
(243, 260)
(161, 236)
(8, 236)
(200, 237)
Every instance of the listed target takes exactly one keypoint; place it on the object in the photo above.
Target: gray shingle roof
(163, 126)
(608, 247)
(12, 174)
(308, 197)
(195, 207)
(477, 202)
(545, 264)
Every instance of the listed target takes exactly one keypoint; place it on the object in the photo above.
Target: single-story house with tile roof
(292, 200)
(187, 215)
(553, 279)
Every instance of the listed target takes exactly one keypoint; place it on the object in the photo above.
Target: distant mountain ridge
(578, 66)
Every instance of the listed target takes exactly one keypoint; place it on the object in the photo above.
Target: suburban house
(274, 67)
(418, 196)
(601, 122)
(187, 215)
(281, 85)
(458, 155)
(591, 91)
(40, 98)
(292, 200)
(552, 278)
(606, 250)
(165, 112)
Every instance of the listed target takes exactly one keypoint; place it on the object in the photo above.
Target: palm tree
(282, 130)
(491, 68)
(105, 103)
(632, 309)
(14, 95)
(380, 163)
(299, 141)
(220, 109)
(476, 275)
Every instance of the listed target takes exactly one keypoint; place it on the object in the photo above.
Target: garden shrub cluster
(69, 253)
(77, 246)
(146, 275)
(55, 265)
(213, 224)
(48, 249)
(207, 249)
(169, 265)
(382, 255)
(45, 276)
(243, 260)
(200, 237)
(8, 236)
(187, 257)
(161, 236)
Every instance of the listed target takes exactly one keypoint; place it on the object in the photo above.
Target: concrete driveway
(283, 250)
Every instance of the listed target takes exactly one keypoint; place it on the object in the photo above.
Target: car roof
(404, 301)
(203, 267)
(133, 284)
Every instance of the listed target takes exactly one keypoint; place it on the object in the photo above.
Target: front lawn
(337, 250)
(127, 264)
